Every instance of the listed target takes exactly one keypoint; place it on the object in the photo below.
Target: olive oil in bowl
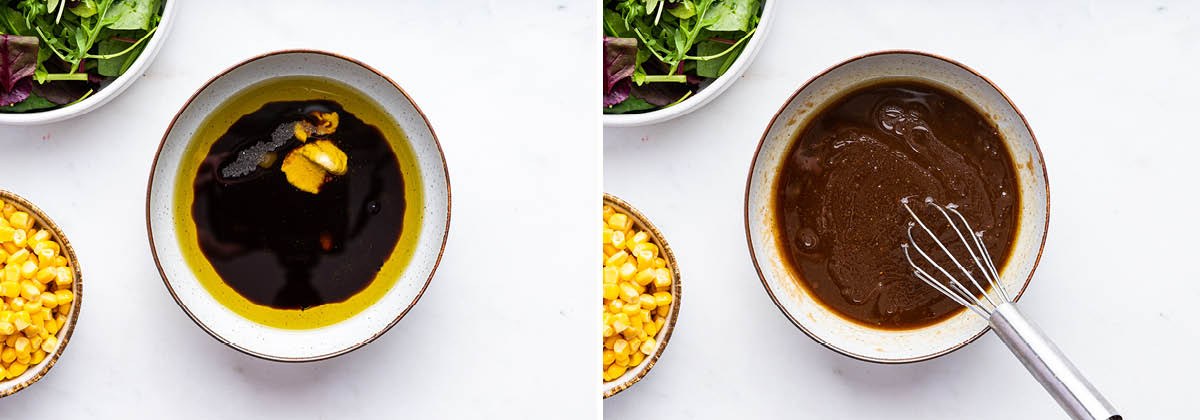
(299, 202)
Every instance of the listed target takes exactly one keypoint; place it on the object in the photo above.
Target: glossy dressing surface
(839, 220)
(274, 252)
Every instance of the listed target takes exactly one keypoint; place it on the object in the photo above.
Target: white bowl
(821, 323)
(102, 96)
(308, 344)
(633, 376)
(707, 93)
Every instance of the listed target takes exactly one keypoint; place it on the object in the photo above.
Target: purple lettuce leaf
(18, 93)
(620, 59)
(618, 93)
(18, 59)
(61, 92)
(662, 94)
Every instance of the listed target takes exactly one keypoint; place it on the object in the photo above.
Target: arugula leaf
(32, 103)
(732, 15)
(716, 67)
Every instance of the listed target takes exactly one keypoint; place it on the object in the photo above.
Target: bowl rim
(77, 289)
(110, 92)
(676, 289)
(750, 176)
(150, 231)
(709, 93)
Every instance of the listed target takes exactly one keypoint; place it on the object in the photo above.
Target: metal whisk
(1043, 359)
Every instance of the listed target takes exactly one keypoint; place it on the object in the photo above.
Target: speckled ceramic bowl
(249, 336)
(632, 376)
(36, 372)
(819, 322)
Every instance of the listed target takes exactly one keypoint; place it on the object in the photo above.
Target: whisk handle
(1048, 364)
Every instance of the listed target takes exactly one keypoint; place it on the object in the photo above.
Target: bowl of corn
(40, 291)
(641, 295)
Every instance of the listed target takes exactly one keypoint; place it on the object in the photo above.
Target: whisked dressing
(838, 218)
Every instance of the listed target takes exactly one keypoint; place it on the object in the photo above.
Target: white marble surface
(1110, 90)
(500, 331)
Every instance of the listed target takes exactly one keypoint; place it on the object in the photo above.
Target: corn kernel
(7, 328)
(20, 220)
(8, 355)
(22, 346)
(45, 275)
(64, 296)
(620, 346)
(16, 369)
(636, 359)
(38, 356)
(60, 261)
(49, 344)
(65, 277)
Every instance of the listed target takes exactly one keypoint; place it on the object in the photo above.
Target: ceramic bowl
(36, 372)
(819, 322)
(707, 93)
(640, 221)
(118, 85)
(249, 336)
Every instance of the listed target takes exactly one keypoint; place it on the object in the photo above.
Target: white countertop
(1110, 89)
(508, 89)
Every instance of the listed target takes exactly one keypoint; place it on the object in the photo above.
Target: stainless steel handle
(1048, 364)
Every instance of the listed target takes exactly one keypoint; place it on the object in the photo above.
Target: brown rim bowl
(633, 376)
(300, 345)
(819, 322)
(36, 372)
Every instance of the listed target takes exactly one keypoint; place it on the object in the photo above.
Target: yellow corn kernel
(611, 291)
(20, 238)
(616, 259)
(610, 275)
(6, 233)
(22, 321)
(46, 249)
(20, 220)
(61, 320)
(634, 345)
(609, 356)
(22, 346)
(63, 309)
(29, 269)
(617, 239)
(12, 272)
(620, 323)
(621, 359)
(645, 277)
(16, 369)
(65, 277)
(648, 301)
(38, 356)
(631, 309)
(49, 344)
(34, 309)
(608, 331)
(35, 343)
(40, 235)
(7, 328)
(45, 275)
(648, 346)
(52, 326)
(606, 212)
(3, 255)
(610, 342)
(618, 221)
(23, 358)
(627, 271)
(615, 371)
(50, 300)
(60, 261)
(662, 299)
(8, 355)
(29, 290)
(650, 328)
(10, 248)
(11, 340)
(64, 296)
(660, 263)
(662, 277)
(636, 359)
(6, 316)
(660, 311)
(628, 292)
(10, 289)
(620, 346)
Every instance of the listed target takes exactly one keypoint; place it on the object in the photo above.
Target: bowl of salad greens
(63, 58)
(666, 58)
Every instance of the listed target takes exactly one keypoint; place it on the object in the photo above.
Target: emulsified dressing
(837, 196)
